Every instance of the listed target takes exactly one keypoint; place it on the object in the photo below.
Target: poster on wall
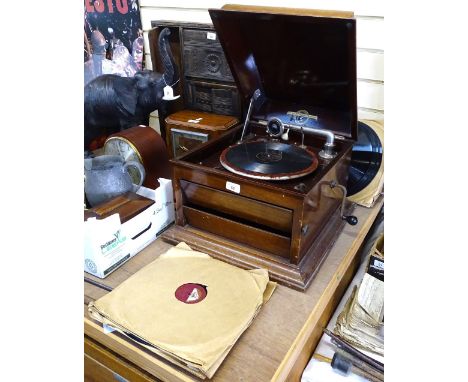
(113, 38)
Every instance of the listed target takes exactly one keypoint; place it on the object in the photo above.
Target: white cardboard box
(108, 243)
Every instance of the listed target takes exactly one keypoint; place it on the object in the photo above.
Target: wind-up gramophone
(270, 192)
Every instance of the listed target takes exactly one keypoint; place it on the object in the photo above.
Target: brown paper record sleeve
(199, 335)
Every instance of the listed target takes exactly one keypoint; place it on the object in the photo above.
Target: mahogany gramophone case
(270, 192)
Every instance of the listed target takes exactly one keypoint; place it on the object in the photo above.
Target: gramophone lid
(298, 62)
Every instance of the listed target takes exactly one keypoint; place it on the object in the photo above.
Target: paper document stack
(361, 322)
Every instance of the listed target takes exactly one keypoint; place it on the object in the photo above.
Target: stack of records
(186, 307)
(366, 177)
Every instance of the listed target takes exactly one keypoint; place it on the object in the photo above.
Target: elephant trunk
(170, 69)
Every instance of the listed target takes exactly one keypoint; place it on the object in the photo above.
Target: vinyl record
(269, 160)
(366, 159)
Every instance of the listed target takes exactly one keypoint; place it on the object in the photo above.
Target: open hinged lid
(297, 62)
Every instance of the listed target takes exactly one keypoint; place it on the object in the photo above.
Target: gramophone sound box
(271, 192)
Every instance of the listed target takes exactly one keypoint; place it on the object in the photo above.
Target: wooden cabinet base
(297, 276)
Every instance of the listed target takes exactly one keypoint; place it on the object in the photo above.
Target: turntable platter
(269, 160)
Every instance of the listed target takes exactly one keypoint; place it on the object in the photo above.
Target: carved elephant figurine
(113, 103)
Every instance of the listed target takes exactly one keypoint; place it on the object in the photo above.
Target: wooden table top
(278, 344)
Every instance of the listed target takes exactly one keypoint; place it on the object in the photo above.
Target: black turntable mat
(366, 159)
(269, 160)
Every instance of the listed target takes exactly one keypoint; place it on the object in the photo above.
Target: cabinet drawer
(258, 213)
(255, 237)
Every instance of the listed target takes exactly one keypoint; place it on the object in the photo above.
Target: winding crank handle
(350, 219)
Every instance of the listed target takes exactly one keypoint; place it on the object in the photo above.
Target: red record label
(191, 293)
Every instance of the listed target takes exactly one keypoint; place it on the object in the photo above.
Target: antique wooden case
(298, 63)
(187, 129)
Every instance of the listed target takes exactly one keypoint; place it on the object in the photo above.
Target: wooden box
(188, 129)
(284, 227)
(285, 66)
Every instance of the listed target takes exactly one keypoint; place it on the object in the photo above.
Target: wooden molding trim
(289, 11)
